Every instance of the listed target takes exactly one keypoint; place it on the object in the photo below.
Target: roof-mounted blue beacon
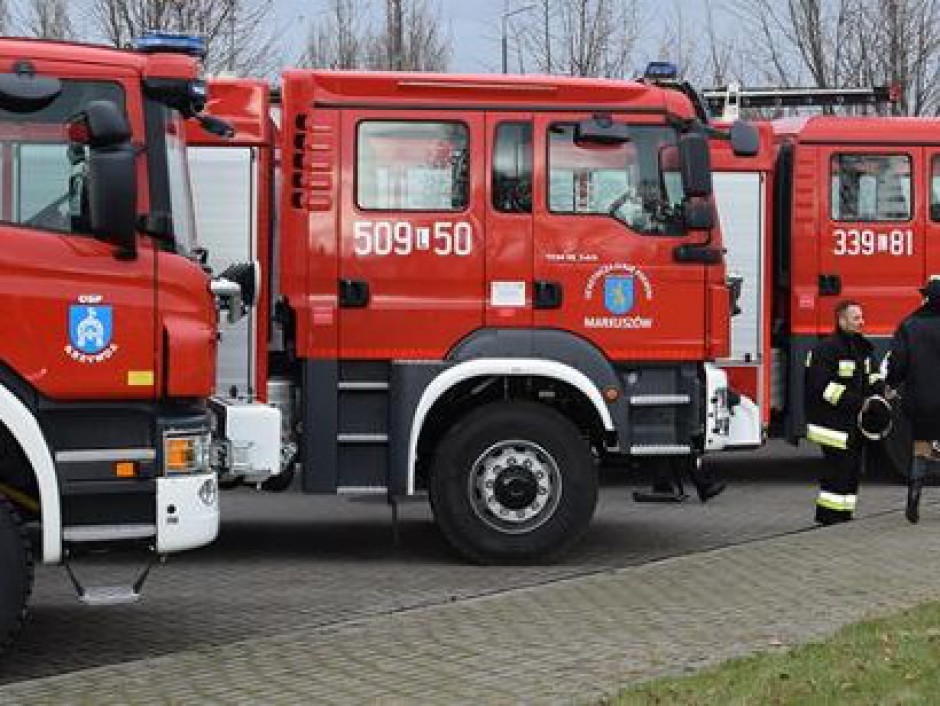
(661, 71)
(172, 43)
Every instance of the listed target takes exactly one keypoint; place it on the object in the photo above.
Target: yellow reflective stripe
(829, 505)
(827, 437)
(873, 378)
(846, 368)
(833, 393)
(834, 501)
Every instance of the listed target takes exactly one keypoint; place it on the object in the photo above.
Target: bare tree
(338, 41)
(849, 43)
(238, 33)
(905, 37)
(5, 18)
(584, 37)
(411, 38)
(48, 19)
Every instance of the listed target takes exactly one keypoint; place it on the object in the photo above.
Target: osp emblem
(91, 328)
(619, 293)
(625, 288)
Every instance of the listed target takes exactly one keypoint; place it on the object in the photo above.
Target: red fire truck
(109, 354)
(477, 286)
(837, 207)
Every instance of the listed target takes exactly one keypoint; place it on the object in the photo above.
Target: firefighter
(913, 364)
(840, 376)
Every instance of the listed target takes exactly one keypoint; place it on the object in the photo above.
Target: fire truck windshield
(46, 171)
(171, 205)
(637, 181)
(181, 198)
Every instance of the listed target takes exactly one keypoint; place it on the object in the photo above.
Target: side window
(46, 188)
(636, 182)
(867, 187)
(412, 166)
(512, 168)
(935, 189)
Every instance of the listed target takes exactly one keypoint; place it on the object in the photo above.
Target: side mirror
(25, 92)
(110, 188)
(698, 215)
(601, 131)
(745, 142)
(216, 126)
(695, 165)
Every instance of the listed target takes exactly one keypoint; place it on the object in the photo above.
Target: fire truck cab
(479, 285)
(836, 207)
(108, 355)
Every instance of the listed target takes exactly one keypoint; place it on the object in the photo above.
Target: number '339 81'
(852, 241)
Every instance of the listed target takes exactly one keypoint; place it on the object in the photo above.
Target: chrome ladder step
(660, 450)
(79, 534)
(658, 400)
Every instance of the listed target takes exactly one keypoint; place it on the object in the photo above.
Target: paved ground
(307, 599)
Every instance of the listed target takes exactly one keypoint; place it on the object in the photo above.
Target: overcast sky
(474, 26)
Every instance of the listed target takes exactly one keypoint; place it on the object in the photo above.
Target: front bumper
(187, 512)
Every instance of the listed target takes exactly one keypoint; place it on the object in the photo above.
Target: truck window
(43, 174)
(866, 187)
(512, 168)
(412, 166)
(935, 189)
(636, 182)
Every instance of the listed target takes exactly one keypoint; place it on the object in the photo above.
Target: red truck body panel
(48, 277)
(246, 106)
(881, 261)
(422, 302)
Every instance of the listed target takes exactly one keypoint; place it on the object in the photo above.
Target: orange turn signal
(125, 469)
(180, 454)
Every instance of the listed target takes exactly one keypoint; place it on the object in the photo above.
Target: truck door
(509, 220)
(871, 246)
(80, 320)
(932, 217)
(607, 220)
(411, 245)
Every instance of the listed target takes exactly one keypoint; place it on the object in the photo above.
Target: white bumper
(187, 512)
(728, 428)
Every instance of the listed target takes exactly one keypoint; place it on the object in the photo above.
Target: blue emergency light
(661, 71)
(172, 43)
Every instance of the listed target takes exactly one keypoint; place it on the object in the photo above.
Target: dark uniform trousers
(838, 483)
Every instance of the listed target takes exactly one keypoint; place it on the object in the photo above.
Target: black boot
(709, 489)
(912, 511)
(706, 486)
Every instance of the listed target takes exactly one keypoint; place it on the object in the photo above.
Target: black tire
(16, 572)
(543, 478)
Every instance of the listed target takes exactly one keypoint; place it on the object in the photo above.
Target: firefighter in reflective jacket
(840, 375)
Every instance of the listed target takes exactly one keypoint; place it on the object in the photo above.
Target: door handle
(547, 295)
(830, 285)
(353, 293)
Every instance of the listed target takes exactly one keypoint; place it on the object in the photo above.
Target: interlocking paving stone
(307, 599)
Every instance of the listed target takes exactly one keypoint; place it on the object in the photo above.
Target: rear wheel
(16, 572)
(513, 482)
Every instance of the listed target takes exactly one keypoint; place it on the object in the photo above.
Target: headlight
(185, 453)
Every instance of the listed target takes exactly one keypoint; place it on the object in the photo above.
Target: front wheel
(16, 572)
(513, 482)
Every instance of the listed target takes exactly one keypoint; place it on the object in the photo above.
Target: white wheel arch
(489, 367)
(25, 430)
